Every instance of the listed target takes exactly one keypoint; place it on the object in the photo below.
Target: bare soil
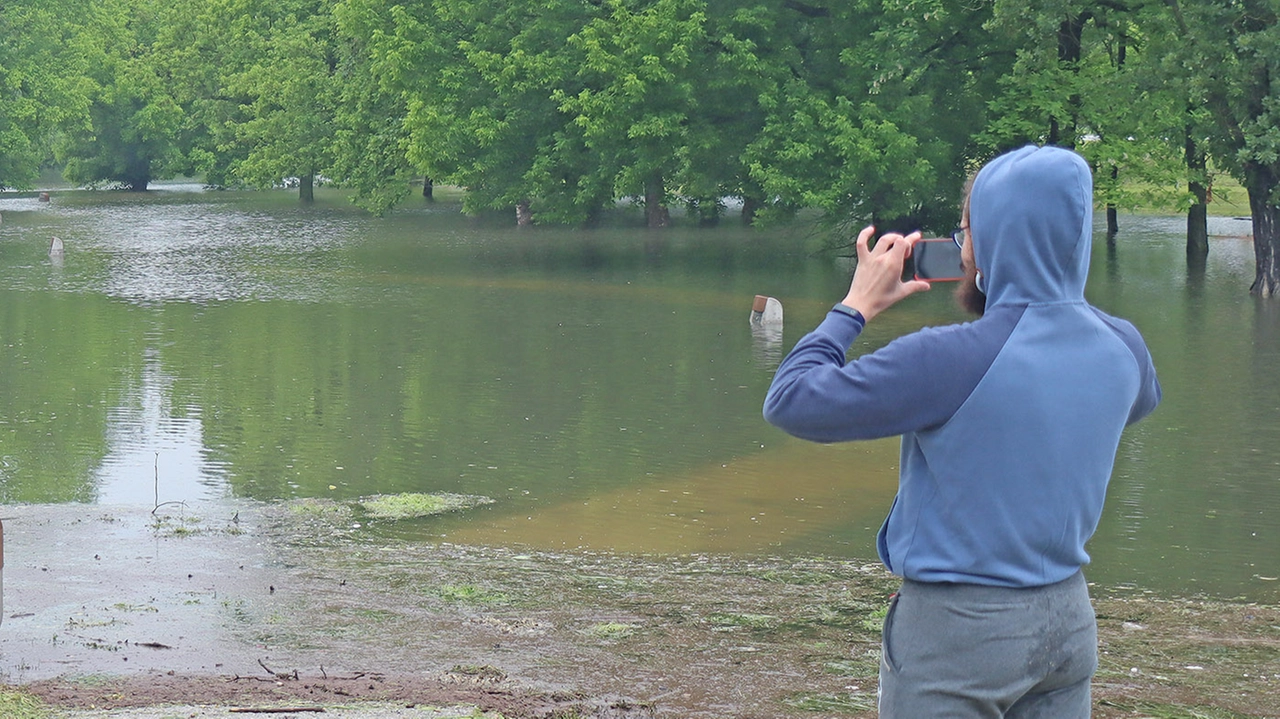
(249, 605)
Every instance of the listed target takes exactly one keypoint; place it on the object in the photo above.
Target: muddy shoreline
(236, 604)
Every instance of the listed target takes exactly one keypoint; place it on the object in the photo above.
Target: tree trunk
(524, 215)
(750, 206)
(655, 211)
(1062, 131)
(1198, 213)
(428, 188)
(1266, 230)
(307, 188)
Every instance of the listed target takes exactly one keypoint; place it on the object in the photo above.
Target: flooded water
(603, 387)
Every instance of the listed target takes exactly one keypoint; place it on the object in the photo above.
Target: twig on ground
(280, 675)
(274, 710)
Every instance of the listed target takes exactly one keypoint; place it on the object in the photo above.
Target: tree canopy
(558, 110)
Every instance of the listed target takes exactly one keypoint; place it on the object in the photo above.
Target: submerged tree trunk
(707, 212)
(428, 188)
(1198, 213)
(1113, 217)
(307, 188)
(655, 209)
(137, 175)
(524, 215)
(1266, 229)
(595, 211)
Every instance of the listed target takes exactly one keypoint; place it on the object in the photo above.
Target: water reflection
(155, 451)
(766, 345)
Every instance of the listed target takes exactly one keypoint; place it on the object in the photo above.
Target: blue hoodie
(1010, 423)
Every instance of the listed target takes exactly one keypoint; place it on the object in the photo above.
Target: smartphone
(936, 260)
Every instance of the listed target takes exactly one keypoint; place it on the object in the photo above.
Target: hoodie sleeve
(915, 382)
(1149, 393)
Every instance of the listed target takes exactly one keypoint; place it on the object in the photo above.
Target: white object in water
(766, 311)
(55, 248)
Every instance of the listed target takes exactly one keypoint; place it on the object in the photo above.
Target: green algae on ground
(411, 505)
(320, 520)
(470, 593)
(319, 508)
(20, 705)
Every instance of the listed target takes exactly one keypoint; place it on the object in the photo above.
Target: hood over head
(1031, 222)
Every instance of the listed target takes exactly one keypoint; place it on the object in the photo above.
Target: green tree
(476, 80)
(872, 117)
(43, 84)
(135, 124)
(636, 68)
(370, 137)
(283, 64)
(1230, 51)
(1088, 75)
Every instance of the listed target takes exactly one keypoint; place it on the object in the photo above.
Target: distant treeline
(556, 109)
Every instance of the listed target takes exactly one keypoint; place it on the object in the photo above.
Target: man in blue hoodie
(1009, 425)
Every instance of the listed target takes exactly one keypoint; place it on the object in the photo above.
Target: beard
(968, 296)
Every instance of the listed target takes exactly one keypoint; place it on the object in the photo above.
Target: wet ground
(238, 604)
(285, 597)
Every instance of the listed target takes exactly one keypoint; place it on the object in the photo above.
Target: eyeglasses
(957, 236)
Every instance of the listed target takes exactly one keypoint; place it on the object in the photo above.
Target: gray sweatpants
(965, 650)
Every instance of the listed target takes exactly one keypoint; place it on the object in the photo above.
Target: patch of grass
(171, 526)
(611, 630)
(865, 665)
(122, 606)
(862, 616)
(413, 504)
(794, 577)
(91, 680)
(366, 615)
(20, 705)
(319, 508)
(76, 623)
(755, 622)
(479, 671)
(851, 703)
(1149, 710)
(1184, 656)
(1229, 199)
(470, 593)
(874, 622)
